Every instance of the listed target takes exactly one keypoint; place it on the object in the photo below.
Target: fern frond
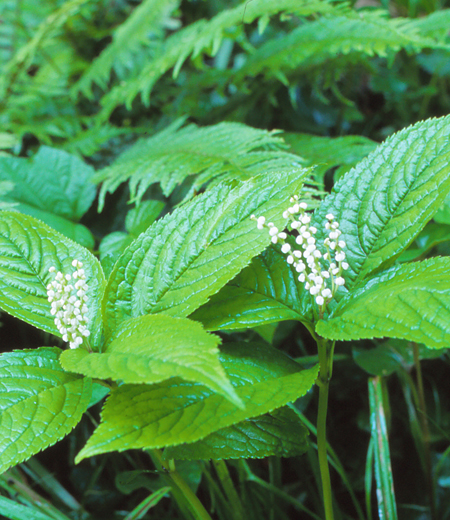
(326, 39)
(230, 150)
(144, 25)
(435, 25)
(46, 31)
(204, 37)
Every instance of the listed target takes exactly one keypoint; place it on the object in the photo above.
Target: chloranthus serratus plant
(237, 256)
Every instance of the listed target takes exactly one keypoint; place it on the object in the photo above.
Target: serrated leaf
(385, 201)
(264, 292)
(50, 179)
(40, 403)
(279, 433)
(15, 511)
(189, 255)
(411, 301)
(175, 153)
(173, 412)
(28, 248)
(153, 348)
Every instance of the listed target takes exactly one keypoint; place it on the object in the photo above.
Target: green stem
(325, 363)
(182, 493)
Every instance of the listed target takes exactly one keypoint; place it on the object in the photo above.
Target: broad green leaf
(432, 235)
(175, 411)
(28, 248)
(40, 403)
(279, 433)
(153, 348)
(74, 231)
(385, 201)
(54, 187)
(411, 301)
(264, 292)
(187, 256)
(51, 180)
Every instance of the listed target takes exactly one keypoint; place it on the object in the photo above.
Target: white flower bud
(285, 248)
(339, 281)
(319, 300)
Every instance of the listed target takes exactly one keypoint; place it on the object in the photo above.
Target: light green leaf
(279, 433)
(173, 412)
(227, 149)
(54, 187)
(28, 248)
(264, 292)
(187, 256)
(76, 232)
(51, 179)
(385, 201)
(40, 403)
(411, 301)
(153, 348)
(142, 216)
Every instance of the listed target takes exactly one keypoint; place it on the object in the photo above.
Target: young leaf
(173, 412)
(28, 248)
(385, 201)
(279, 433)
(153, 348)
(187, 256)
(411, 301)
(264, 292)
(40, 403)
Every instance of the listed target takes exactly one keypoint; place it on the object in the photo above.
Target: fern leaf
(144, 24)
(314, 43)
(169, 157)
(203, 37)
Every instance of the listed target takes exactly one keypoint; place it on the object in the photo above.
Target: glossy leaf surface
(40, 403)
(385, 201)
(28, 248)
(153, 348)
(187, 256)
(279, 433)
(175, 411)
(411, 301)
(266, 291)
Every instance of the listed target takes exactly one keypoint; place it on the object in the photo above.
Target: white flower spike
(68, 304)
(320, 282)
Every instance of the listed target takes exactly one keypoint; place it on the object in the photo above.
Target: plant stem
(422, 412)
(181, 491)
(325, 349)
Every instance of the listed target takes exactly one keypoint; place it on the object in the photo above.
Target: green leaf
(233, 150)
(40, 403)
(173, 412)
(385, 201)
(54, 187)
(142, 216)
(411, 301)
(329, 152)
(153, 348)
(187, 256)
(430, 236)
(264, 292)
(28, 248)
(50, 179)
(279, 433)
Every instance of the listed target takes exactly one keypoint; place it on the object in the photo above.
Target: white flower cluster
(68, 303)
(322, 283)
